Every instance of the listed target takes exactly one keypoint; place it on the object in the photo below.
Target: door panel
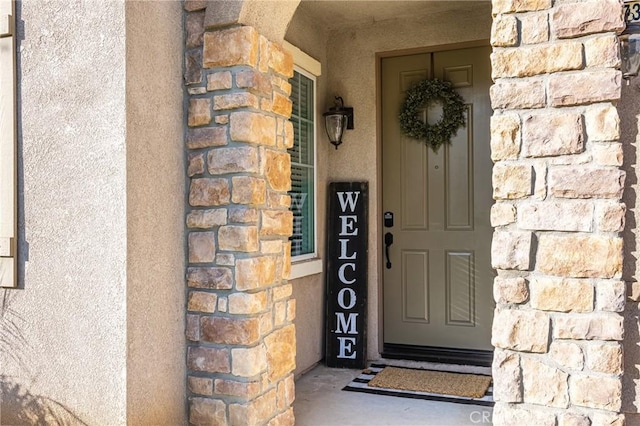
(415, 286)
(459, 183)
(438, 291)
(415, 181)
(460, 288)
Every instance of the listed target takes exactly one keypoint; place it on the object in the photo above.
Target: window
(303, 181)
(8, 178)
(304, 249)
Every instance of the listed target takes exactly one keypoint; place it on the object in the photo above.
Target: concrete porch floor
(320, 401)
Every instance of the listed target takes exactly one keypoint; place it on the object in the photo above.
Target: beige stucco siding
(155, 212)
(628, 109)
(69, 345)
(95, 331)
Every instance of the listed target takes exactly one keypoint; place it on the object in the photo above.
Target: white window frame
(314, 254)
(310, 263)
(8, 145)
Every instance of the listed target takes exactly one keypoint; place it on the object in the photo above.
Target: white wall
(101, 285)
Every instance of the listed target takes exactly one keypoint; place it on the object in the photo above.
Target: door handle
(388, 241)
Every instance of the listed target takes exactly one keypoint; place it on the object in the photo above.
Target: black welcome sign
(346, 284)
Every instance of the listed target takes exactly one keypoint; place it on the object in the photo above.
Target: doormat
(462, 388)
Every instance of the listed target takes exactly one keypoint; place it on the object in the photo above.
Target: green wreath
(426, 93)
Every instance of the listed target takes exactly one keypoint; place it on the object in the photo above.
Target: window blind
(302, 166)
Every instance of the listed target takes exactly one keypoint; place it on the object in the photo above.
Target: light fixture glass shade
(335, 123)
(630, 53)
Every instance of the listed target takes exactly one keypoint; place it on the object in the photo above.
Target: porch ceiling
(338, 14)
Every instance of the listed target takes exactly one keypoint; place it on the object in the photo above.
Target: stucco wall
(67, 343)
(155, 214)
(629, 109)
(309, 293)
(351, 73)
(97, 273)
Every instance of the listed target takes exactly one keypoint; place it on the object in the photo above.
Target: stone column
(557, 183)
(241, 340)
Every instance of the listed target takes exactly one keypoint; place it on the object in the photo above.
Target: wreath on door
(422, 95)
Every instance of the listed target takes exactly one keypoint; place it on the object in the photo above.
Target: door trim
(439, 355)
(432, 49)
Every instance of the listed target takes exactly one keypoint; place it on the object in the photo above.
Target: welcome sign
(346, 284)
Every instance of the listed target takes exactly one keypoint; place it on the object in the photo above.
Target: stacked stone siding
(240, 335)
(557, 183)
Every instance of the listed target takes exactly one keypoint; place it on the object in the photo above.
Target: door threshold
(476, 357)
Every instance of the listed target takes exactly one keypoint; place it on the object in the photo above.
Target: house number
(632, 12)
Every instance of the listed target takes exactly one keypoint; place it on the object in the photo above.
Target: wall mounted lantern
(630, 40)
(336, 120)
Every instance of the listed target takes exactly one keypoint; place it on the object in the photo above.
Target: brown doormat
(438, 382)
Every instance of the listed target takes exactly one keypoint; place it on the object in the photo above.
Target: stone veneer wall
(241, 340)
(557, 183)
